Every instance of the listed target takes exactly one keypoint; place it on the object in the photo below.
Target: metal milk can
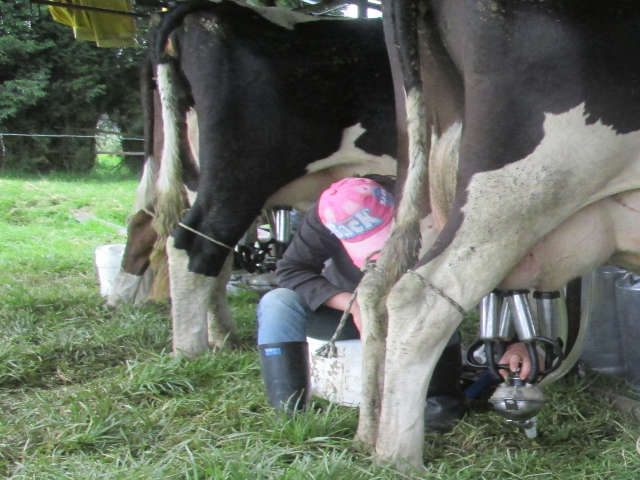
(603, 347)
(628, 300)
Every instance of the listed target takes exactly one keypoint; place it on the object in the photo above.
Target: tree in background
(51, 83)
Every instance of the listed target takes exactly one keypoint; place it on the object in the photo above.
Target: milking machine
(282, 228)
(505, 317)
(257, 255)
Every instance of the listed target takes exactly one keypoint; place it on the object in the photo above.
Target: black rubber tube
(491, 361)
(535, 366)
(574, 298)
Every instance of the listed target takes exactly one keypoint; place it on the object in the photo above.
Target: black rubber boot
(285, 370)
(444, 397)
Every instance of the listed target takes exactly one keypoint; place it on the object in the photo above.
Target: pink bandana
(359, 212)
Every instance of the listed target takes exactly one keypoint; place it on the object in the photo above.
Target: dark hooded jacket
(316, 265)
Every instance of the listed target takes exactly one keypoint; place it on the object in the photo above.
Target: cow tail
(414, 139)
(172, 197)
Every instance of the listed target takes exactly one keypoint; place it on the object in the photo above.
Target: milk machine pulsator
(503, 314)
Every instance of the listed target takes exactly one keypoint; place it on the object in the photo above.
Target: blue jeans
(284, 316)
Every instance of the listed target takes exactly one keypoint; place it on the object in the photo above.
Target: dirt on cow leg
(130, 289)
(190, 298)
(372, 294)
(421, 321)
(396, 257)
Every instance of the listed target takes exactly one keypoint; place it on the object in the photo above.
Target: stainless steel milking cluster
(505, 317)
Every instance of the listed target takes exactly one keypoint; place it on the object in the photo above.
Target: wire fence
(63, 135)
(100, 133)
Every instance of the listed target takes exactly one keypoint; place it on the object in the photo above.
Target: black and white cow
(527, 114)
(286, 104)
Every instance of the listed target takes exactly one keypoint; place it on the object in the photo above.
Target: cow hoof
(182, 355)
(402, 465)
(228, 343)
(358, 446)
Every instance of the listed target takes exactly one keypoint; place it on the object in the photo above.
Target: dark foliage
(52, 83)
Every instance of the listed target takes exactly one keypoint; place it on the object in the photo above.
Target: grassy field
(88, 392)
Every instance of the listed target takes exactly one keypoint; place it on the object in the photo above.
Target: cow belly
(508, 211)
(573, 166)
(605, 231)
(346, 162)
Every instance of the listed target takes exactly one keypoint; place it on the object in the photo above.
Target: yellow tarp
(106, 29)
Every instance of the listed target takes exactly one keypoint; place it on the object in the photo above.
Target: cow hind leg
(372, 294)
(130, 289)
(426, 306)
(190, 298)
(398, 253)
(415, 342)
(221, 326)
(134, 280)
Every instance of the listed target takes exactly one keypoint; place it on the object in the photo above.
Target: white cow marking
(193, 134)
(443, 171)
(146, 189)
(348, 153)
(348, 161)
(128, 288)
(168, 167)
(574, 165)
(190, 295)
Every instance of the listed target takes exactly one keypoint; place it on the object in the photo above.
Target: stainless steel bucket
(602, 350)
(628, 300)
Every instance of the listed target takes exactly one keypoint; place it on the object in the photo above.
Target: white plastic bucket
(108, 259)
(339, 379)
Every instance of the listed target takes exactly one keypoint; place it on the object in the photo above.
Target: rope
(426, 282)
(149, 212)
(329, 349)
(204, 236)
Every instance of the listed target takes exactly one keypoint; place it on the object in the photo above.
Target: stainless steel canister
(603, 347)
(628, 300)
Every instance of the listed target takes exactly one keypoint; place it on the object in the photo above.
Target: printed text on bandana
(356, 224)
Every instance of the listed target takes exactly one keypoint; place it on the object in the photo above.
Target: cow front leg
(421, 321)
(190, 299)
(222, 328)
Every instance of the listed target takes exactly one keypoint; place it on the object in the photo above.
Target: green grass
(88, 392)
(107, 162)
